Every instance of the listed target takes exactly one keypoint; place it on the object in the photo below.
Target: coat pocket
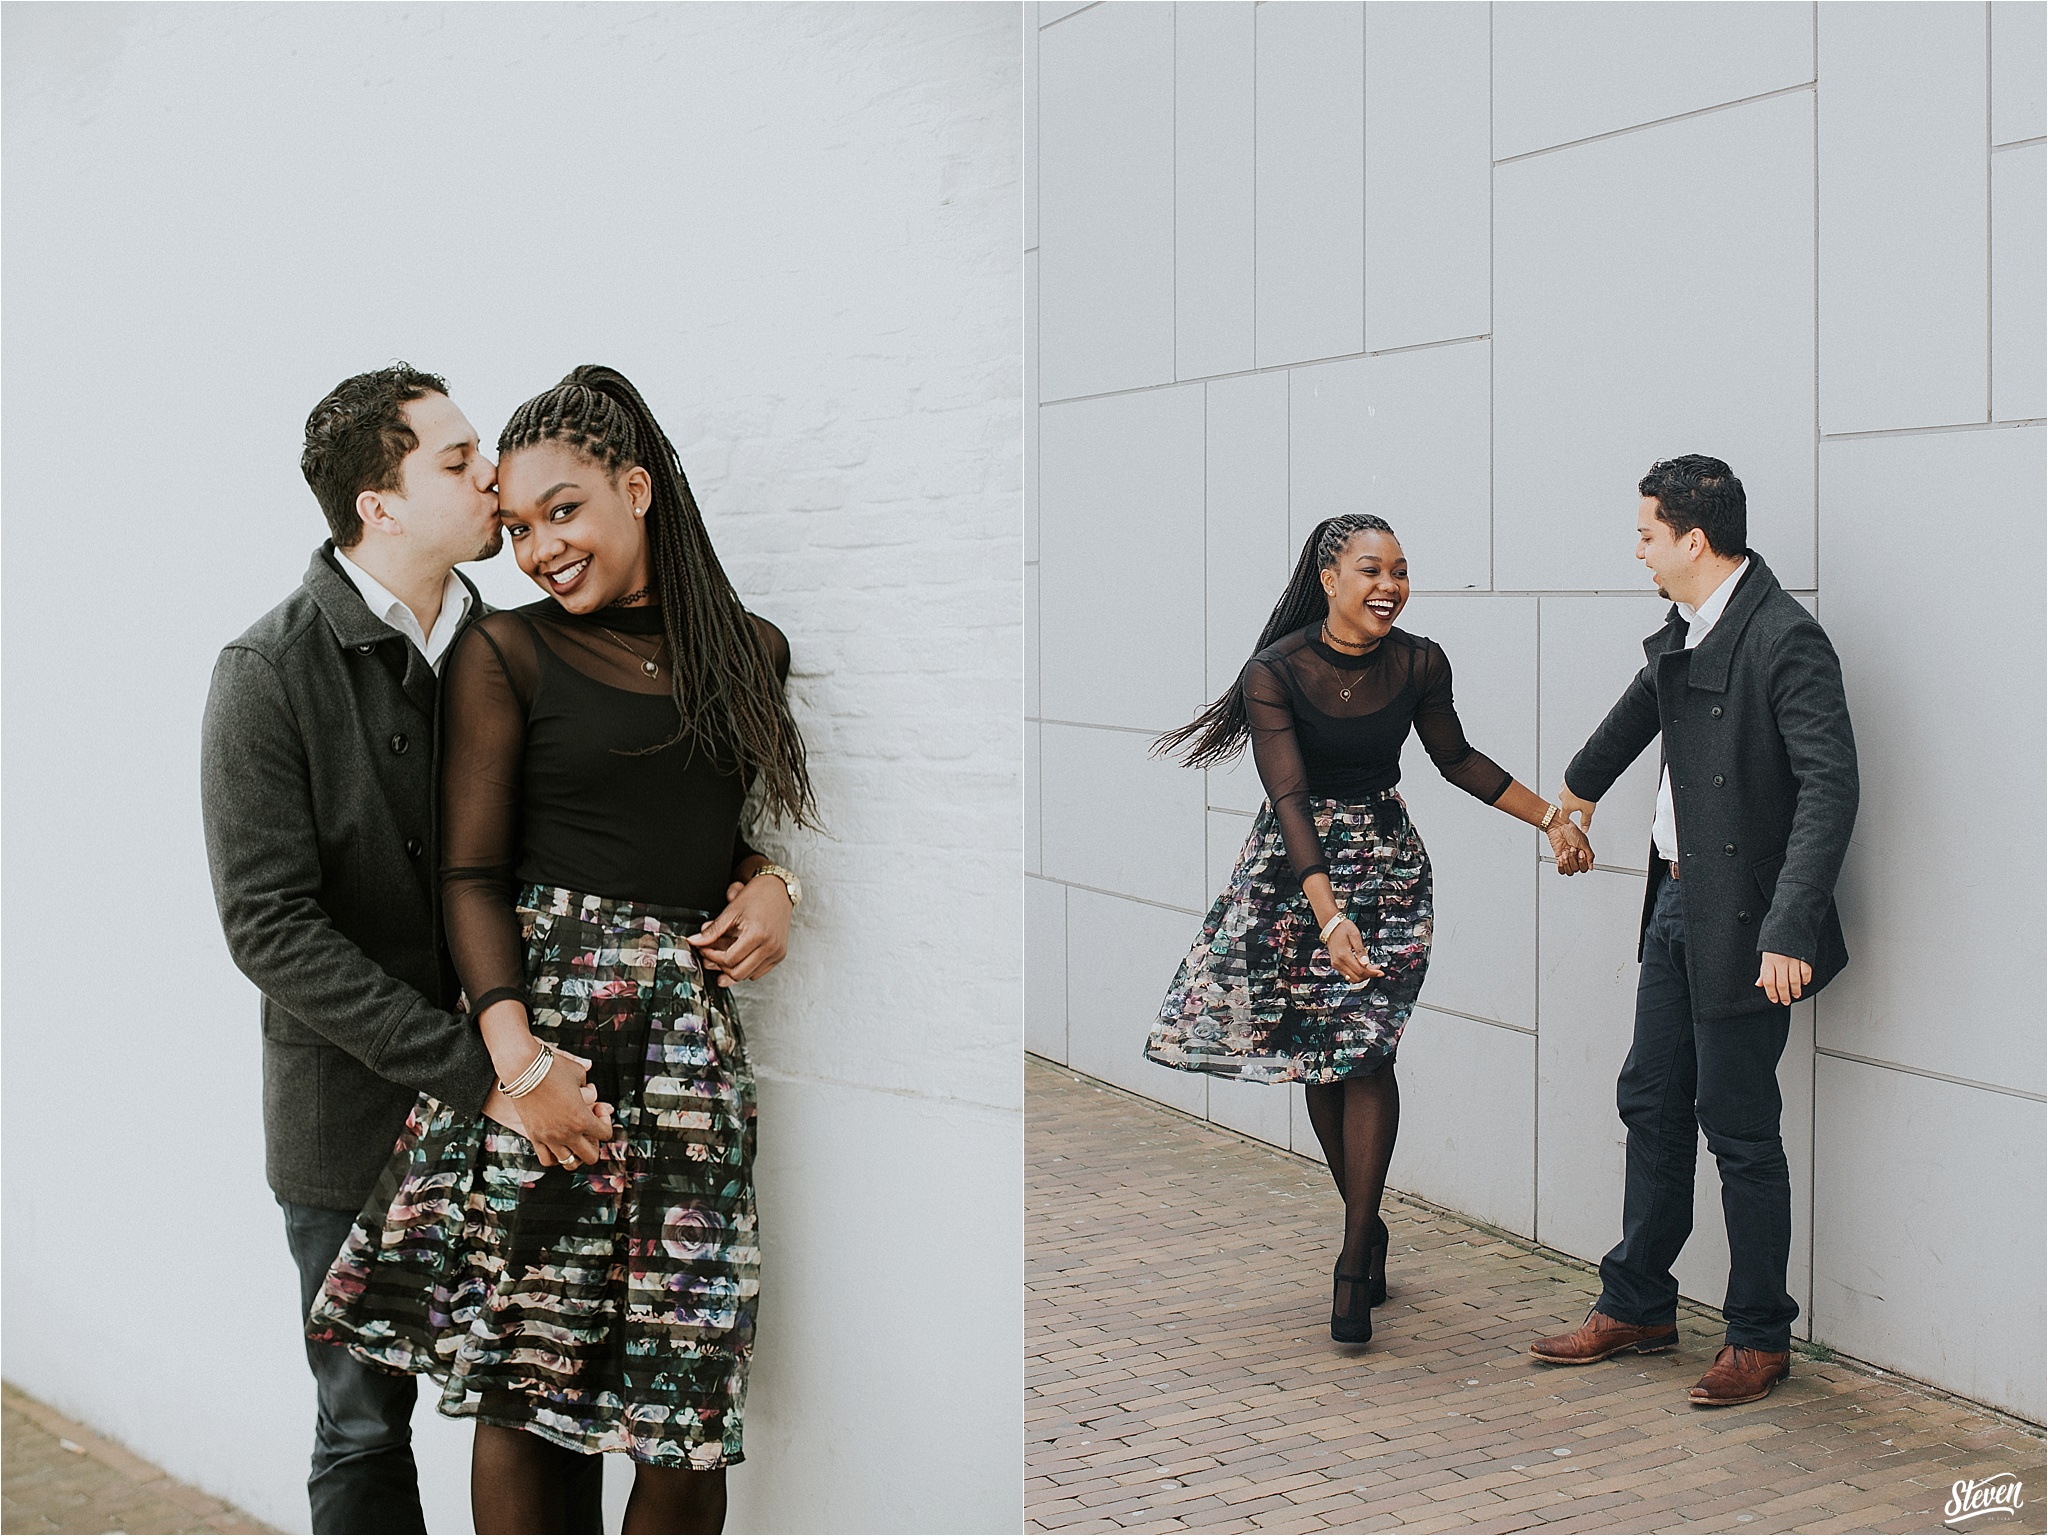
(1765, 873)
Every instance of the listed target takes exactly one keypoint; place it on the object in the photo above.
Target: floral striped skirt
(1257, 998)
(606, 1308)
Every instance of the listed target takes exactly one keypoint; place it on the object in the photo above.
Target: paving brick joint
(60, 1475)
(1180, 1374)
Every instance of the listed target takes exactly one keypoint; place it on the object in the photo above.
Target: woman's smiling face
(579, 532)
(1367, 586)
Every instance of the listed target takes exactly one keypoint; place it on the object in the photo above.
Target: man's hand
(750, 937)
(1573, 805)
(1569, 847)
(1781, 977)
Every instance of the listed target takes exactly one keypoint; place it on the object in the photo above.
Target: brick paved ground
(1180, 1374)
(60, 1476)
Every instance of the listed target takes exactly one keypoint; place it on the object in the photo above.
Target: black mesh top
(542, 781)
(1325, 723)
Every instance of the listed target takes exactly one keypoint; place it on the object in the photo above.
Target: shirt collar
(1701, 619)
(382, 602)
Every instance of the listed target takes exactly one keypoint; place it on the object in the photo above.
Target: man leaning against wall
(319, 794)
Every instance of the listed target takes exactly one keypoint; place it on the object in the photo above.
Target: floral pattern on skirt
(1257, 998)
(606, 1308)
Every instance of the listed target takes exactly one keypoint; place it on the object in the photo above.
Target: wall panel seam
(1660, 122)
(1098, 890)
(2020, 143)
(1940, 1077)
(1479, 1018)
(1953, 426)
(1246, 373)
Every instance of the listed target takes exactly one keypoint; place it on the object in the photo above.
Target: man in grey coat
(1754, 808)
(318, 781)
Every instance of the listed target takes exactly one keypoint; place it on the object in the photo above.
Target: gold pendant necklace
(1330, 640)
(647, 663)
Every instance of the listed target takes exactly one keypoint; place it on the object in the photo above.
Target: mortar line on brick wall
(1958, 426)
(1248, 373)
(1940, 1077)
(1069, 16)
(818, 1080)
(1661, 122)
(1099, 890)
(2019, 143)
(1480, 1018)
(1702, 1312)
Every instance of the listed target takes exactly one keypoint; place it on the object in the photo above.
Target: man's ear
(370, 507)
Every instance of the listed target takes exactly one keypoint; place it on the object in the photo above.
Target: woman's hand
(501, 1107)
(750, 937)
(1569, 847)
(1347, 953)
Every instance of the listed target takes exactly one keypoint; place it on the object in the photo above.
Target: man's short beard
(492, 545)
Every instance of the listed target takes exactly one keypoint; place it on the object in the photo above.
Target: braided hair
(1219, 732)
(724, 681)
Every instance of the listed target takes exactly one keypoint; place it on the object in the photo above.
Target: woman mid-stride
(598, 747)
(1310, 961)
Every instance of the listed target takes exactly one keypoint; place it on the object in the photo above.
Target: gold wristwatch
(794, 886)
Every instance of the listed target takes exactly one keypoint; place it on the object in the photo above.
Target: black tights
(1356, 1120)
(520, 1482)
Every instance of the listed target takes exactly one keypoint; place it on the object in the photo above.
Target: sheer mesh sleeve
(1436, 722)
(486, 691)
(777, 644)
(1278, 756)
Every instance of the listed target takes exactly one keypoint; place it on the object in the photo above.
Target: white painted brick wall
(796, 228)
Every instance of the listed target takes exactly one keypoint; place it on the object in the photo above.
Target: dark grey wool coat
(1763, 778)
(318, 786)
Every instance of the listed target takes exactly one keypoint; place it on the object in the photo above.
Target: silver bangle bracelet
(530, 1079)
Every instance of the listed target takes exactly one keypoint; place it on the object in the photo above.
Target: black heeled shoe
(1376, 1264)
(1356, 1329)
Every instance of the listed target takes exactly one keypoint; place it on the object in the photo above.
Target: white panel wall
(1902, 214)
(1622, 340)
(1575, 259)
(797, 231)
(1105, 200)
(1428, 173)
(1212, 114)
(1569, 71)
(1310, 156)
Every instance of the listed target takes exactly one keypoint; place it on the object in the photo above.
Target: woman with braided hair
(600, 899)
(1310, 961)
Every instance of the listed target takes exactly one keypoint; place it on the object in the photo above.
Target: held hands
(1347, 954)
(751, 936)
(1569, 847)
(561, 1117)
(1781, 977)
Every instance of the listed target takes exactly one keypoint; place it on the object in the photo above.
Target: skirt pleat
(605, 1308)
(1257, 998)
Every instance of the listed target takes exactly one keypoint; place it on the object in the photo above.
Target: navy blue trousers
(363, 1477)
(1721, 1077)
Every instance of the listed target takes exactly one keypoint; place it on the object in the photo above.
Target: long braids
(724, 681)
(1219, 732)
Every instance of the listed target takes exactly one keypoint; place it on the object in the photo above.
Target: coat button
(366, 648)
(1729, 849)
(399, 744)
(414, 847)
(1719, 781)
(1717, 711)
(1742, 917)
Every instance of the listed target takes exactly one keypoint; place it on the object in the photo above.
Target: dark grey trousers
(1685, 1076)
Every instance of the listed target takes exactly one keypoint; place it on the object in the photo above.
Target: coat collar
(342, 606)
(1713, 656)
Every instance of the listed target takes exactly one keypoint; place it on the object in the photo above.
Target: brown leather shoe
(1740, 1375)
(1600, 1336)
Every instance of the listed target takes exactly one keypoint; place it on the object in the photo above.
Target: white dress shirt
(454, 606)
(1664, 830)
